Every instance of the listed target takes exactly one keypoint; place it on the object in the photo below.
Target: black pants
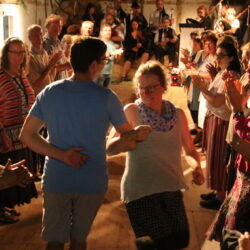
(159, 52)
(172, 243)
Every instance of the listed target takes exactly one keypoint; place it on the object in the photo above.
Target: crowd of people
(55, 102)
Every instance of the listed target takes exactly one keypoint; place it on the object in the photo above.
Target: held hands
(142, 132)
(74, 158)
(138, 134)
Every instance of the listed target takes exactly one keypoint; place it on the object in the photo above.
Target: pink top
(242, 128)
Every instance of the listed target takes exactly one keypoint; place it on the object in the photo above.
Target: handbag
(241, 146)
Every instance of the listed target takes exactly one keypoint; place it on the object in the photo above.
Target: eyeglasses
(149, 89)
(220, 55)
(16, 52)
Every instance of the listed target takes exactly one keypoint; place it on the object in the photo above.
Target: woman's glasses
(221, 55)
(149, 89)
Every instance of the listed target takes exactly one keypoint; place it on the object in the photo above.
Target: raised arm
(215, 100)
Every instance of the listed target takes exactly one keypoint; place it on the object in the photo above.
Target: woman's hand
(212, 70)
(234, 90)
(198, 177)
(199, 82)
(185, 52)
(244, 241)
(229, 74)
(17, 174)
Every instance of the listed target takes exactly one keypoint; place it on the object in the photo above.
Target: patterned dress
(16, 98)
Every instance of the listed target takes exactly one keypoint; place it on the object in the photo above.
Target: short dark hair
(84, 51)
(211, 37)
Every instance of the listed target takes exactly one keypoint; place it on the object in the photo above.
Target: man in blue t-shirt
(77, 113)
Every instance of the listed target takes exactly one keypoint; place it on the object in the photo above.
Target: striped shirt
(16, 98)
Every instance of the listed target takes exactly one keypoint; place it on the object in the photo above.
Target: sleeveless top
(155, 165)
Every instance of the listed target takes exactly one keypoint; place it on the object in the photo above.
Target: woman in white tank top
(152, 181)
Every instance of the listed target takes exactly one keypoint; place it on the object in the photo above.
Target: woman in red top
(16, 98)
(234, 213)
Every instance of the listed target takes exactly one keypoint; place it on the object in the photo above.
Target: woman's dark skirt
(16, 195)
(159, 216)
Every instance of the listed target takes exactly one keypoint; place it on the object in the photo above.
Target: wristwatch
(238, 114)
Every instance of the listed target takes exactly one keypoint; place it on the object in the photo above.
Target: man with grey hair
(42, 68)
(52, 44)
(87, 28)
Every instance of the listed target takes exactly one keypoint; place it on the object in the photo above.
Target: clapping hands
(234, 90)
(17, 173)
(212, 70)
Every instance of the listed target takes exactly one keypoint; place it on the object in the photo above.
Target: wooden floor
(111, 229)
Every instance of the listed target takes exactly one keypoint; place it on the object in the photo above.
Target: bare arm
(128, 140)
(190, 150)
(31, 137)
(125, 137)
(215, 100)
(64, 66)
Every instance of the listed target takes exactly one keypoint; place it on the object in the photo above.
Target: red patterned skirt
(234, 213)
